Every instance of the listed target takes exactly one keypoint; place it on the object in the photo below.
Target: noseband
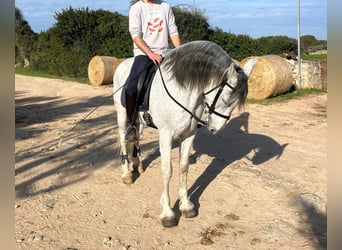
(220, 88)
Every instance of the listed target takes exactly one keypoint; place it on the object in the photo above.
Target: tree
(276, 45)
(237, 46)
(218, 36)
(308, 41)
(192, 24)
(311, 44)
(25, 40)
(77, 36)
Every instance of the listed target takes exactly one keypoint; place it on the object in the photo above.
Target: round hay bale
(101, 69)
(270, 76)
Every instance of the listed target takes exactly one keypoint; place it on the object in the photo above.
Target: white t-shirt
(153, 22)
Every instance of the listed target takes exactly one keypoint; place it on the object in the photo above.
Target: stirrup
(131, 133)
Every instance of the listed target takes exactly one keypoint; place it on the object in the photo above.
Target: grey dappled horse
(195, 81)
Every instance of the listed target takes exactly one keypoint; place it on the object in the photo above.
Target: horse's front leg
(185, 205)
(167, 217)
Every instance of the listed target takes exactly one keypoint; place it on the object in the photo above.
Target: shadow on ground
(231, 144)
(86, 146)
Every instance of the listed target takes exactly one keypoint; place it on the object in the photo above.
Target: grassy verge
(28, 72)
(287, 96)
(315, 57)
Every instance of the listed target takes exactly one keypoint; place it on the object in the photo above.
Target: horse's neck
(189, 98)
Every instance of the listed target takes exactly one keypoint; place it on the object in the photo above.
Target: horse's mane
(197, 64)
(241, 89)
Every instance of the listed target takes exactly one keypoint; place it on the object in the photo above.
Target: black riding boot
(131, 132)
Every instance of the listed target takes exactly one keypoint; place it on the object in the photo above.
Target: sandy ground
(261, 183)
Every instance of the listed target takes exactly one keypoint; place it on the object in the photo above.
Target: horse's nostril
(212, 131)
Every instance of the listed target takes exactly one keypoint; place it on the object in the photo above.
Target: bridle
(220, 88)
(211, 107)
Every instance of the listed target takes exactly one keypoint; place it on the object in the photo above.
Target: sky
(256, 18)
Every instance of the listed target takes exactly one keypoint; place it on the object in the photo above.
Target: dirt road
(261, 183)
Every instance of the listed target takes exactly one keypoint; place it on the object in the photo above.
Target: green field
(28, 72)
(315, 57)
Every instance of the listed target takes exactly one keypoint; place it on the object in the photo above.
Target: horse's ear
(249, 66)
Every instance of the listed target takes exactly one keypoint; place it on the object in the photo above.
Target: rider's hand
(156, 58)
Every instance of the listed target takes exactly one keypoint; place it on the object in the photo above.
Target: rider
(151, 22)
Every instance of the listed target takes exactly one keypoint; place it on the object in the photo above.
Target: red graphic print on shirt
(155, 26)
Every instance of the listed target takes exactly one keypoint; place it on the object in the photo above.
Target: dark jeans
(140, 63)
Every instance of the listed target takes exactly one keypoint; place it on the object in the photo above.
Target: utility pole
(298, 39)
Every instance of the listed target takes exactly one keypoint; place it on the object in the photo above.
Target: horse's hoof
(139, 169)
(169, 222)
(127, 180)
(189, 213)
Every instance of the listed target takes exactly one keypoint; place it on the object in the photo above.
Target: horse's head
(224, 98)
(205, 66)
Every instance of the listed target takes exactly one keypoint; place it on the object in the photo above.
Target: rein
(86, 116)
(178, 103)
(211, 107)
